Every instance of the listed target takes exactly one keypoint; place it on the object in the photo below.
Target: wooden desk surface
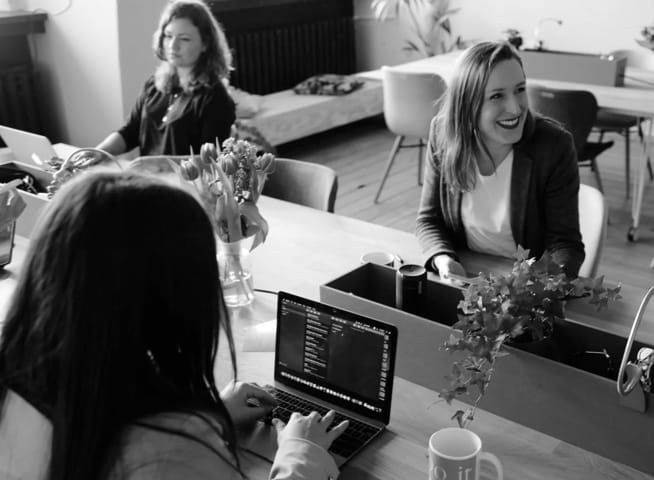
(307, 248)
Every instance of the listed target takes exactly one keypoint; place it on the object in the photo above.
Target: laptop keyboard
(353, 438)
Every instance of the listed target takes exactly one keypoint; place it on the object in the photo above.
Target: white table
(635, 98)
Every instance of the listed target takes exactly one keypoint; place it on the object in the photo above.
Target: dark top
(544, 199)
(170, 123)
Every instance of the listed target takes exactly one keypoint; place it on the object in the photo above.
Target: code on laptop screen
(337, 356)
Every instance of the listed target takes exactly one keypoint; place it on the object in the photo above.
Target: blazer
(170, 123)
(544, 199)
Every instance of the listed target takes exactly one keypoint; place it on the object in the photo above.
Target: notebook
(331, 359)
(27, 147)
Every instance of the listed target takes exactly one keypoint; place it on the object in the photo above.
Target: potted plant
(514, 37)
(427, 22)
(522, 305)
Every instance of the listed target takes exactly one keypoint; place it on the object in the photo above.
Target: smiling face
(504, 108)
(182, 43)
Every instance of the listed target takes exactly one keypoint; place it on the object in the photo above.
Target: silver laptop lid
(336, 356)
(27, 147)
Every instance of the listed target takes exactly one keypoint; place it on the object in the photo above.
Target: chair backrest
(309, 184)
(576, 110)
(639, 58)
(410, 101)
(593, 218)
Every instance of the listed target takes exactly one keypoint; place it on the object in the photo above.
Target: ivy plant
(497, 309)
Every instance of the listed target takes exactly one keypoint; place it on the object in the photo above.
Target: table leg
(639, 186)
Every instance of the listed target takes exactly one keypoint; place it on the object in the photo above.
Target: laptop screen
(336, 356)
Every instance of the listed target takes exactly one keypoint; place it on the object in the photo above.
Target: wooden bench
(287, 116)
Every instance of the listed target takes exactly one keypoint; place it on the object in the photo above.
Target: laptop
(29, 148)
(328, 358)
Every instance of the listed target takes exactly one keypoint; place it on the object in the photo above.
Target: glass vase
(235, 272)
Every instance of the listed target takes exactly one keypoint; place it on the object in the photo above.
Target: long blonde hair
(456, 137)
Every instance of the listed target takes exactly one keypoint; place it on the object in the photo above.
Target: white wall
(137, 21)
(590, 26)
(78, 59)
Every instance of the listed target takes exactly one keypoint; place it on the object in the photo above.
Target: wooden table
(306, 248)
(635, 98)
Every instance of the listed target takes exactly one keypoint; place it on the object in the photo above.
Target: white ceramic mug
(381, 258)
(455, 454)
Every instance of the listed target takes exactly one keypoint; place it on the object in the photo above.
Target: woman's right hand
(310, 427)
(447, 267)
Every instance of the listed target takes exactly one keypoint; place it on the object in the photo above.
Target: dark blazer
(544, 199)
(170, 123)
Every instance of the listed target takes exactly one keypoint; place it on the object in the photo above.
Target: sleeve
(563, 237)
(218, 115)
(131, 129)
(434, 236)
(300, 459)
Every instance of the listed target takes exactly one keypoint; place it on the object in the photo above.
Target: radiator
(18, 99)
(276, 59)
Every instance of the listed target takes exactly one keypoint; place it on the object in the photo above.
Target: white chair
(621, 123)
(409, 105)
(592, 223)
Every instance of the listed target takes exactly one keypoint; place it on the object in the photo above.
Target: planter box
(572, 398)
(574, 67)
(35, 203)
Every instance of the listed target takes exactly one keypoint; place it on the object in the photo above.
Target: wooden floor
(358, 153)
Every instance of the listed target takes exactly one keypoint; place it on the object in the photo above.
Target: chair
(593, 219)
(576, 110)
(309, 184)
(622, 124)
(409, 105)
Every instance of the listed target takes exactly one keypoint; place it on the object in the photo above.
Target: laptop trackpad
(263, 441)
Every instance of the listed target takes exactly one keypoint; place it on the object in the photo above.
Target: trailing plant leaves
(495, 308)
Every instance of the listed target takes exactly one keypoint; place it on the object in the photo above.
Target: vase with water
(235, 271)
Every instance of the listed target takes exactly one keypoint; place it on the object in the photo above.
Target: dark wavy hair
(214, 63)
(116, 317)
(456, 132)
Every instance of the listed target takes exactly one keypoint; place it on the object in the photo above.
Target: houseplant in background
(426, 21)
(228, 182)
(521, 306)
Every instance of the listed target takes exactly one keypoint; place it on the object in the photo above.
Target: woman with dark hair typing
(497, 175)
(109, 345)
(185, 104)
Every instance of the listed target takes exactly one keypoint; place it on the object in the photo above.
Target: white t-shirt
(486, 212)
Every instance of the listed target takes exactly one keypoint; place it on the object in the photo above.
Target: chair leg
(420, 145)
(641, 136)
(627, 169)
(389, 164)
(593, 162)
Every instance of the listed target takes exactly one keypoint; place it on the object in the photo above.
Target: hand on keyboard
(311, 427)
(246, 402)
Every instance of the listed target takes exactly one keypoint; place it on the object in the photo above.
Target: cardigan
(151, 454)
(171, 123)
(544, 199)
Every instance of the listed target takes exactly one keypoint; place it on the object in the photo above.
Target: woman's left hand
(246, 402)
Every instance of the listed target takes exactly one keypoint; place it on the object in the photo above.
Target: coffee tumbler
(410, 287)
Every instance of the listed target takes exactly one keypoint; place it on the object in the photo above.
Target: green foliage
(428, 22)
(496, 309)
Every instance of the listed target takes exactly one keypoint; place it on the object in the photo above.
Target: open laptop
(29, 148)
(331, 359)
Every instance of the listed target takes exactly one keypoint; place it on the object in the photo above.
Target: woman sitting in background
(497, 175)
(185, 103)
(108, 350)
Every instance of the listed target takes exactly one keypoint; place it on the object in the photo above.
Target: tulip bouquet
(229, 183)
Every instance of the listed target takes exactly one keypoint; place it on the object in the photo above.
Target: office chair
(620, 123)
(576, 111)
(409, 105)
(593, 219)
(309, 184)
